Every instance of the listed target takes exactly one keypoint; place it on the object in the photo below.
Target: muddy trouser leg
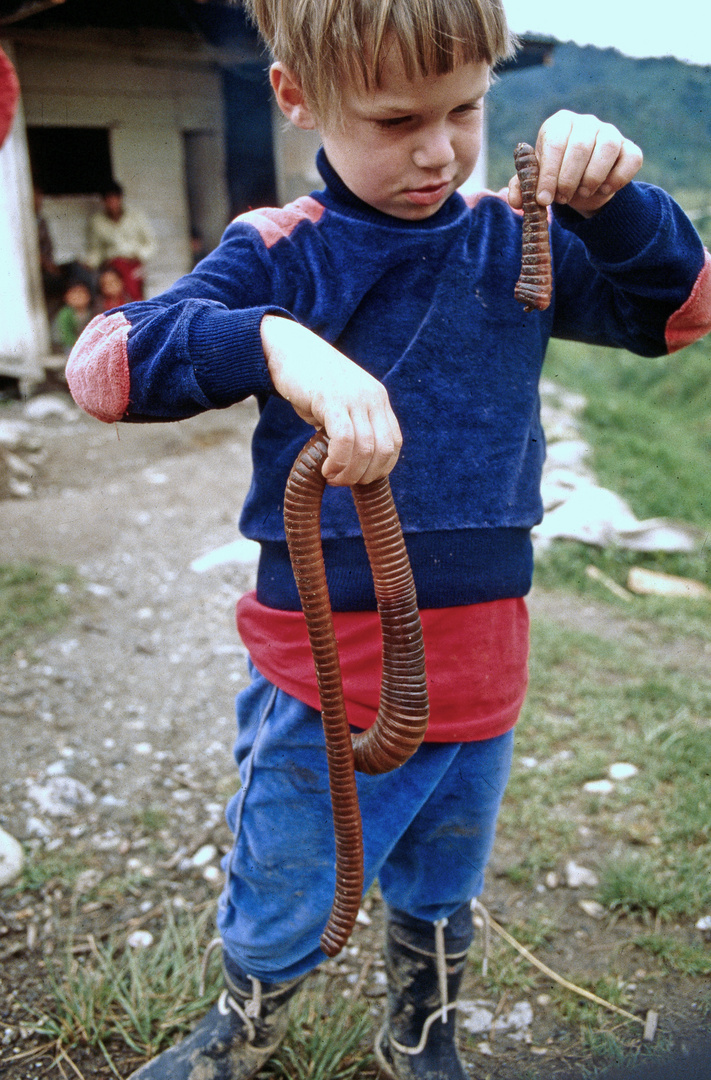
(429, 879)
(427, 828)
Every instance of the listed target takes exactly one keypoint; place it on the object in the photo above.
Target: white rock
(204, 855)
(48, 406)
(87, 880)
(599, 787)
(704, 923)
(592, 908)
(16, 435)
(11, 858)
(552, 880)
(19, 466)
(19, 489)
(577, 876)
(475, 1017)
(61, 796)
(212, 874)
(239, 551)
(155, 477)
(622, 770)
(140, 939)
(517, 1019)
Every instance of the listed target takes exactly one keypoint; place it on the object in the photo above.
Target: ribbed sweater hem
(451, 568)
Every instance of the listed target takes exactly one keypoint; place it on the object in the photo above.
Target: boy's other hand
(329, 391)
(583, 163)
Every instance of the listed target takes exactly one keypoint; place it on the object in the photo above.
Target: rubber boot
(239, 1034)
(424, 964)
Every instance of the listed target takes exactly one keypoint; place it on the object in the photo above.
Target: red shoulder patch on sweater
(273, 224)
(693, 319)
(97, 369)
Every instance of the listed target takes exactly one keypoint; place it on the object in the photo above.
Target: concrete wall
(147, 106)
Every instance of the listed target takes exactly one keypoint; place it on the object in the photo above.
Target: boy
(386, 302)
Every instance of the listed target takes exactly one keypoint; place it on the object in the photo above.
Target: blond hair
(332, 44)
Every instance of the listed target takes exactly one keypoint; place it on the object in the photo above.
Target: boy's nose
(434, 149)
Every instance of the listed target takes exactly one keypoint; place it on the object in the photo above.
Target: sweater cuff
(228, 358)
(622, 229)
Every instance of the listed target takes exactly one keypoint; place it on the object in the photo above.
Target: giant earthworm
(403, 711)
(533, 288)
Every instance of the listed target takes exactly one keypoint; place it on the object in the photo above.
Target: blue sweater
(428, 308)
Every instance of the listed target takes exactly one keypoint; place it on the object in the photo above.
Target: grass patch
(143, 998)
(35, 601)
(647, 421)
(116, 997)
(591, 703)
(677, 956)
(324, 1041)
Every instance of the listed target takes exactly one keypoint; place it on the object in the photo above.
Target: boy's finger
(341, 436)
(514, 194)
(550, 150)
(387, 446)
(579, 150)
(600, 165)
(629, 161)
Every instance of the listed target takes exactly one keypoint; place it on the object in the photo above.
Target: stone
(622, 770)
(61, 796)
(598, 787)
(578, 876)
(12, 858)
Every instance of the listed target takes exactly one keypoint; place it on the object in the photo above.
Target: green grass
(35, 601)
(591, 703)
(142, 998)
(117, 998)
(649, 424)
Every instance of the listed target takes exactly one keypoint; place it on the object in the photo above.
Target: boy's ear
(290, 97)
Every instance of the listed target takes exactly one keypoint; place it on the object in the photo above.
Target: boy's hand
(331, 392)
(583, 163)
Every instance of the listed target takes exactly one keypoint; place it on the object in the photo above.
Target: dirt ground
(127, 715)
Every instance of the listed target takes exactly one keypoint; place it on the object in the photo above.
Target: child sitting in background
(76, 312)
(112, 291)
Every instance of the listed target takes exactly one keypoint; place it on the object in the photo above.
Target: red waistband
(476, 655)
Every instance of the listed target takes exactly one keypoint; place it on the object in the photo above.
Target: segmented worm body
(533, 288)
(403, 711)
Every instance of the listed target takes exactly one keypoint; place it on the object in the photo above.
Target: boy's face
(406, 145)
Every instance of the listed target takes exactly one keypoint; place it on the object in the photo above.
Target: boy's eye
(393, 121)
(468, 107)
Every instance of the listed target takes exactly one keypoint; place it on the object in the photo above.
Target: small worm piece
(533, 288)
(403, 711)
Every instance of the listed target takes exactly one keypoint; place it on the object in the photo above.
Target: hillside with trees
(664, 105)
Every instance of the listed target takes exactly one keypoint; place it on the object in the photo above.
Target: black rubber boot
(238, 1035)
(424, 964)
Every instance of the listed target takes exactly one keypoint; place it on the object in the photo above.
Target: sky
(680, 28)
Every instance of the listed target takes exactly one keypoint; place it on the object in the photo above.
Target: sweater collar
(338, 196)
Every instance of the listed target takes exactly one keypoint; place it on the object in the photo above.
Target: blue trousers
(428, 830)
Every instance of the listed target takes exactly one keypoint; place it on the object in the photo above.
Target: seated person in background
(112, 290)
(72, 317)
(122, 237)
